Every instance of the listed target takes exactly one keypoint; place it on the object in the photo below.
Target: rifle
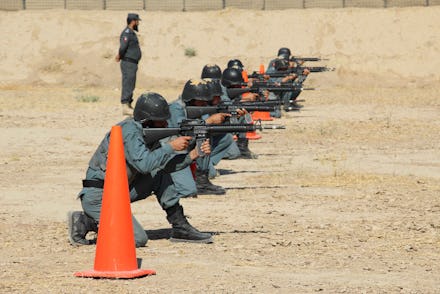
(298, 58)
(197, 129)
(271, 87)
(298, 70)
(228, 107)
(277, 87)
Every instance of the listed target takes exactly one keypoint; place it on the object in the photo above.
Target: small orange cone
(245, 76)
(262, 69)
(261, 115)
(252, 135)
(115, 255)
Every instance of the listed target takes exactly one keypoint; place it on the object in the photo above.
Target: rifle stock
(152, 135)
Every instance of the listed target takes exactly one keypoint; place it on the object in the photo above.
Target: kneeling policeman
(148, 171)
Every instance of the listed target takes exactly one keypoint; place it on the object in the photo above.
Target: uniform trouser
(219, 148)
(142, 187)
(244, 120)
(128, 70)
(184, 182)
(183, 179)
(295, 94)
(233, 152)
(286, 97)
(277, 112)
(289, 96)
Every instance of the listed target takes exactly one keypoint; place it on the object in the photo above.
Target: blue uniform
(183, 179)
(148, 171)
(233, 152)
(130, 54)
(271, 66)
(285, 97)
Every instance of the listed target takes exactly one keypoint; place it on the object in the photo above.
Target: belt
(128, 59)
(93, 184)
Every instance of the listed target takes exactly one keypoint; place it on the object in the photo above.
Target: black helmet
(214, 86)
(211, 71)
(284, 56)
(281, 64)
(151, 106)
(196, 90)
(232, 77)
(284, 51)
(235, 63)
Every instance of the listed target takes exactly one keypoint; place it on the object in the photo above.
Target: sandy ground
(344, 200)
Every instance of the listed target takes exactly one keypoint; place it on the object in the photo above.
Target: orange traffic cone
(262, 69)
(252, 135)
(261, 115)
(245, 76)
(115, 249)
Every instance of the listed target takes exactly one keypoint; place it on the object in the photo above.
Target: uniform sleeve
(271, 67)
(275, 80)
(177, 115)
(272, 95)
(140, 157)
(123, 44)
(224, 97)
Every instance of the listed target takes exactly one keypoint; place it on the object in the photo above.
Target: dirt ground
(344, 200)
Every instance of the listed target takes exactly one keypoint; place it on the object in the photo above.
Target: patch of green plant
(87, 98)
(190, 52)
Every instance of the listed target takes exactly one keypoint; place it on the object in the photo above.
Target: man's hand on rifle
(217, 118)
(180, 143)
(241, 112)
(291, 77)
(249, 97)
(205, 147)
(266, 94)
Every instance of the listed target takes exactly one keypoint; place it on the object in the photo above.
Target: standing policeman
(129, 54)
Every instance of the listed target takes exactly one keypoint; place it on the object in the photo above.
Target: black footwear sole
(204, 241)
(210, 193)
(248, 157)
(190, 196)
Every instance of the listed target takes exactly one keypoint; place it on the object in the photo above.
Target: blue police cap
(132, 16)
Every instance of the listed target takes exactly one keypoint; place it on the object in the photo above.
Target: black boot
(293, 106)
(243, 146)
(79, 224)
(182, 230)
(204, 185)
